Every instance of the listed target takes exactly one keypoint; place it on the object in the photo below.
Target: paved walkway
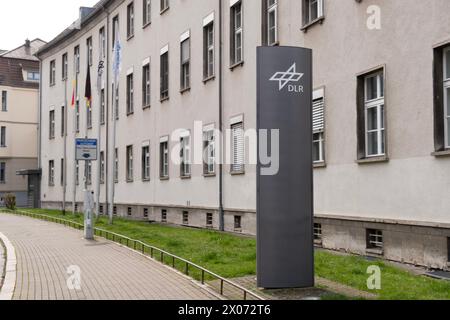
(45, 251)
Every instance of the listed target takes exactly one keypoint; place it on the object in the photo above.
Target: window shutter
(318, 115)
(238, 147)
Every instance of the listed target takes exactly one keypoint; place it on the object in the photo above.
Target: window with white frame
(318, 126)
(185, 54)
(271, 23)
(130, 20)
(209, 152)
(238, 147)
(51, 173)
(76, 59)
(116, 165)
(208, 50)
(146, 95)
(89, 118)
(63, 121)
(164, 159)
(3, 137)
(52, 72)
(52, 124)
(446, 78)
(115, 30)
(164, 75)
(130, 176)
(236, 33)
(312, 11)
(102, 167)
(89, 51)
(77, 116)
(33, 76)
(185, 155)
(102, 107)
(88, 172)
(65, 66)
(374, 114)
(146, 12)
(374, 239)
(164, 5)
(146, 163)
(2, 172)
(317, 231)
(130, 94)
(102, 41)
(4, 101)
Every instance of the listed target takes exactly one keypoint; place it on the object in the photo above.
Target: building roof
(26, 51)
(11, 72)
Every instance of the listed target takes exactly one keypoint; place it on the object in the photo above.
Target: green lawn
(234, 256)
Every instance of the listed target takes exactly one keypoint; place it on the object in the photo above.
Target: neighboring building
(19, 90)
(380, 119)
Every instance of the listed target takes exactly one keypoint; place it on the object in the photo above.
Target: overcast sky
(45, 19)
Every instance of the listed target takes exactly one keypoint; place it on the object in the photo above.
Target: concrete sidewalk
(46, 252)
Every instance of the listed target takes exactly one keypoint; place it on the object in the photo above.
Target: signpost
(87, 150)
(285, 200)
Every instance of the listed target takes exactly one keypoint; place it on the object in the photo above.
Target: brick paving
(45, 251)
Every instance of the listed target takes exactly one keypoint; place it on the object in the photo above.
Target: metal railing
(155, 253)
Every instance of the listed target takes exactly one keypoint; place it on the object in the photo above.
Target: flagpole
(99, 131)
(75, 115)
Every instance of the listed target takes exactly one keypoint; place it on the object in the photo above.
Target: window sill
(441, 154)
(164, 99)
(185, 177)
(164, 10)
(102, 123)
(146, 107)
(310, 24)
(130, 180)
(130, 37)
(164, 178)
(238, 230)
(318, 243)
(51, 185)
(129, 114)
(146, 180)
(182, 91)
(318, 165)
(237, 64)
(146, 25)
(237, 173)
(209, 175)
(208, 79)
(374, 251)
(380, 159)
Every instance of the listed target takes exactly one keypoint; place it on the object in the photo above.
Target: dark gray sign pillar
(285, 200)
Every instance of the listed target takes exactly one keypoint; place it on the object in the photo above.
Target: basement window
(100, 210)
(76, 208)
(130, 211)
(163, 215)
(145, 212)
(237, 222)
(209, 219)
(317, 231)
(115, 210)
(448, 250)
(374, 239)
(185, 217)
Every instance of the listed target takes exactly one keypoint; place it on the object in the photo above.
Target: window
(318, 127)
(164, 5)
(115, 97)
(3, 137)
(89, 118)
(374, 239)
(51, 173)
(63, 121)
(130, 94)
(185, 64)
(115, 30)
(236, 33)
(129, 211)
(4, 101)
(185, 156)
(163, 215)
(52, 124)
(76, 59)
(312, 11)
(2, 172)
(146, 163)
(448, 249)
(164, 160)
(33, 76)
(116, 165)
(52, 72)
(102, 36)
(62, 173)
(185, 218)
(88, 172)
(164, 76)
(77, 116)
(77, 173)
(76, 207)
(100, 209)
(317, 231)
(130, 163)
(115, 211)
(102, 107)
(145, 211)
(270, 22)
(237, 222)
(208, 51)
(130, 20)
(89, 50)
(102, 167)
(146, 86)
(65, 66)
(209, 219)
(446, 84)
(237, 141)
(146, 12)
(209, 152)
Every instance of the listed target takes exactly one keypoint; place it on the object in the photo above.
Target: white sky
(45, 19)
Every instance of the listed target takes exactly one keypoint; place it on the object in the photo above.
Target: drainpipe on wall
(65, 147)
(106, 70)
(39, 128)
(221, 210)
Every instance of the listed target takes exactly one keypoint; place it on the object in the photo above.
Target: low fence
(187, 267)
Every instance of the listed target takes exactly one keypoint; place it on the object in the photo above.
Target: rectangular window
(209, 219)
(89, 118)
(185, 64)
(65, 66)
(146, 12)
(77, 116)
(62, 173)
(4, 101)
(130, 211)
(115, 97)
(77, 173)
(116, 165)
(185, 218)
(115, 30)
(185, 156)
(33, 76)
(3, 137)
(114, 211)
(164, 160)
(270, 22)
(51, 173)
(52, 124)
(165, 76)
(102, 41)
(236, 33)
(102, 167)
(374, 239)
(317, 231)
(209, 152)
(163, 215)
(208, 51)
(318, 126)
(102, 107)
(88, 172)
(145, 212)
(130, 94)
(164, 5)
(63, 121)
(52, 72)
(146, 163)
(237, 222)
(2, 172)
(76, 59)
(130, 20)
(146, 86)
(100, 209)
(238, 148)
(448, 249)
(130, 176)
(446, 84)
(89, 51)
(312, 10)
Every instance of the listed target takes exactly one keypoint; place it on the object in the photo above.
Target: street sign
(86, 149)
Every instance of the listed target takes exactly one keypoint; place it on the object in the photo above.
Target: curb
(9, 284)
